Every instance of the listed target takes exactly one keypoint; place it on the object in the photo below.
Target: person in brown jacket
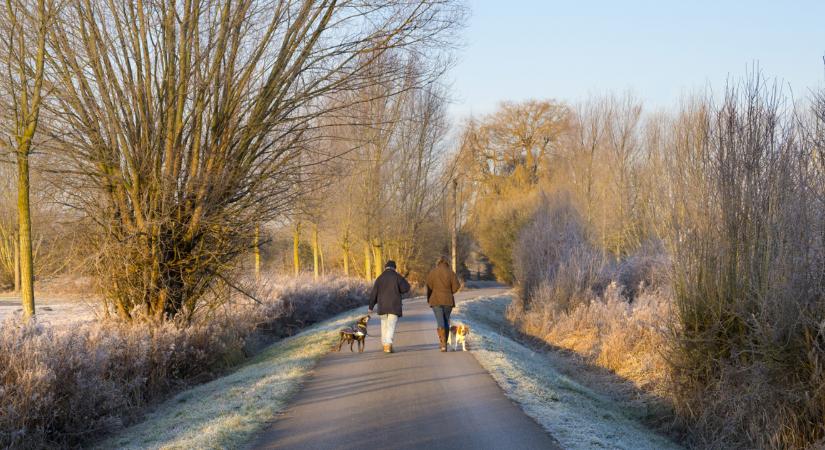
(442, 283)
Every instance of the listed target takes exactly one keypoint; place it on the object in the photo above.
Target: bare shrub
(553, 258)
(60, 386)
(571, 299)
(185, 128)
(646, 269)
(614, 313)
(291, 303)
(750, 280)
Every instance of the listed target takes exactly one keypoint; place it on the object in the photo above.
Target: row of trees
(383, 200)
(715, 207)
(176, 130)
(613, 161)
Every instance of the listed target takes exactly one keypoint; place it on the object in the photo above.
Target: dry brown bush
(613, 314)
(553, 255)
(750, 279)
(61, 386)
(573, 299)
(625, 337)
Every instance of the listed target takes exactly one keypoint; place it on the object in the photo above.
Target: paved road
(417, 397)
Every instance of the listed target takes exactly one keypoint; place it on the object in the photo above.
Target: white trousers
(388, 322)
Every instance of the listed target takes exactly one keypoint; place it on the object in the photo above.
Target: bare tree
(25, 25)
(506, 153)
(188, 118)
(9, 240)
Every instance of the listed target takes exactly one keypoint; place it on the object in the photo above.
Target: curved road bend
(417, 397)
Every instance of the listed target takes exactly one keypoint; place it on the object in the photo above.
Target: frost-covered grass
(629, 338)
(227, 412)
(55, 311)
(61, 386)
(578, 417)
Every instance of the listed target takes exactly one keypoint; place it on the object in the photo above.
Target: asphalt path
(417, 397)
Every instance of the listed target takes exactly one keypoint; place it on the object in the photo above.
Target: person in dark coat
(442, 283)
(386, 293)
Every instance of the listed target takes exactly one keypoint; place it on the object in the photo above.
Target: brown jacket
(442, 283)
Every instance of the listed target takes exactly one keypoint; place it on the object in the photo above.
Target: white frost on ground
(53, 311)
(575, 415)
(228, 411)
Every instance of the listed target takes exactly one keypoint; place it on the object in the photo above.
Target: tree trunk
(321, 255)
(378, 258)
(25, 229)
(345, 247)
(454, 229)
(315, 266)
(296, 256)
(346, 263)
(16, 256)
(257, 250)
(367, 265)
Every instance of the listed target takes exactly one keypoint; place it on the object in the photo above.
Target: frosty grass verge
(575, 415)
(228, 411)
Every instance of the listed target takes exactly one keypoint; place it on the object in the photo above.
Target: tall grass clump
(64, 386)
(748, 355)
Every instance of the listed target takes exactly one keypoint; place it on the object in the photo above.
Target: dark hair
(390, 264)
(442, 259)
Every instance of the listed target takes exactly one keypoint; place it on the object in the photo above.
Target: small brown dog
(458, 335)
(355, 334)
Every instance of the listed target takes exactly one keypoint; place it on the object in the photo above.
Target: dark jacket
(386, 292)
(442, 283)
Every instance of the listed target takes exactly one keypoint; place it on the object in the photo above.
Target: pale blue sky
(519, 49)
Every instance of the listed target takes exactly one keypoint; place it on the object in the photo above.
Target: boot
(442, 339)
(387, 348)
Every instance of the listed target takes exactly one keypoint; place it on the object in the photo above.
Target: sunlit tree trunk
(25, 228)
(321, 255)
(257, 250)
(296, 241)
(315, 265)
(16, 247)
(378, 258)
(367, 265)
(345, 247)
(24, 70)
(454, 228)
(346, 262)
